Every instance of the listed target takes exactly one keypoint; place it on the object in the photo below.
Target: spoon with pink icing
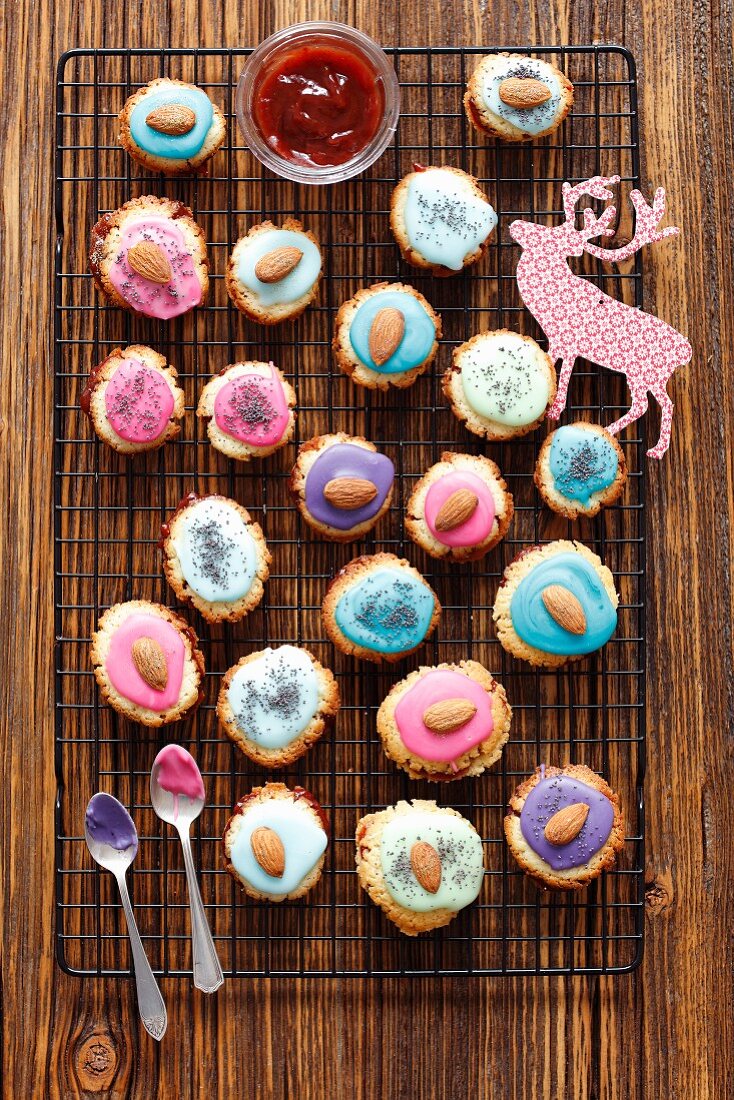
(177, 794)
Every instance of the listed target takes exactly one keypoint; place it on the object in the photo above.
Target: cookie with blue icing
(556, 603)
(517, 98)
(380, 608)
(274, 272)
(386, 335)
(580, 470)
(171, 127)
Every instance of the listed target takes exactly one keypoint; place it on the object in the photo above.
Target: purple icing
(347, 460)
(108, 822)
(551, 795)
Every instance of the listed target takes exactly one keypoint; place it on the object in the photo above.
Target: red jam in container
(318, 102)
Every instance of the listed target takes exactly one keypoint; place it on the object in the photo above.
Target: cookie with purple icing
(564, 826)
(249, 409)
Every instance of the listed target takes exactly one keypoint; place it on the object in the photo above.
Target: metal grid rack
(108, 512)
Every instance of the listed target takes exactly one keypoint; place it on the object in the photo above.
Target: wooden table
(667, 1030)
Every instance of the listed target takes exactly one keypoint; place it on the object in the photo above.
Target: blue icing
(303, 840)
(533, 622)
(169, 146)
(420, 331)
(582, 462)
(389, 611)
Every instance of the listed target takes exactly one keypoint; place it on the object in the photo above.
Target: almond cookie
(501, 384)
(274, 273)
(380, 608)
(276, 703)
(580, 470)
(564, 826)
(386, 335)
(275, 841)
(421, 863)
(445, 722)
(215, 557)
(556, 603)
(146, 662)
(172, 127)
(460, 509)
(133, 400)
(249, 409)
(149, 257)
(342, 485)
(517, 98)
(441, 219)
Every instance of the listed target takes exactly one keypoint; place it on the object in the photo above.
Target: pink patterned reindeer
(578, 320)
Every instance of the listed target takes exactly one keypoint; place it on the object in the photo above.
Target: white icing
(460, 850)
(303, 840)
(445, 220)
(505, 379)
(535, 119)
(216, 552)
(293, 286)
(274, 697)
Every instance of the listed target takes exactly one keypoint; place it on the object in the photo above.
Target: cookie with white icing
(274, 272)
(147, 662)
(564, 826)
(441, 219)
(150, 257)
(386, 335)
(421, 863)
(342, 485)
(133, 400)
(500, 384)
(171, 127)
(445, 722)
(580, 470)
(249, 409)
(275, 842)
(517, 98)
(460, 509)
(378, 607)
(275, 703)
(556, 603)
(215, 557)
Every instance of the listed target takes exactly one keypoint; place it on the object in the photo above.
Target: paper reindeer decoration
(579, 320)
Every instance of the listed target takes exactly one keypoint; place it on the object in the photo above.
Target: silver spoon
(113, 842)
(177, 794)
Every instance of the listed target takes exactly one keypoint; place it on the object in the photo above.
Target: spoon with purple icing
(113, 842)
(177, 794)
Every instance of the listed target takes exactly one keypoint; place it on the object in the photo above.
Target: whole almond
(426, 865)
(386, 334)
(275, 265)
(456, 509)
(566, 825)
(523, 92)
(448, 715)
(173, 119)
(150, 261)
(150, 661)
(268, 850)
(349, 492)
(564, 608)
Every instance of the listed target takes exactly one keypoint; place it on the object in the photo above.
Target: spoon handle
(150, 1002)
(207, 969)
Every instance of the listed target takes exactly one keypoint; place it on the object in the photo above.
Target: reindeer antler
(597, 187)
(646, 220)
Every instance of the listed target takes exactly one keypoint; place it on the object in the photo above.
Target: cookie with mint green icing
(556, 603)
(380, 608)
(171, 127)
(386, 335)
(274, 272)
(517, 98)
(580, 470)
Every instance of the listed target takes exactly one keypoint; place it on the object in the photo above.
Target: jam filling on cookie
(479, 525)
(275, 697)
(138, 402)
(435, 687)
(554, 793)
(171, 146)
(292, 286)
(387, 611)
(304, 843)
(505, 380)
(445, 220)
(581, 462)
(459, 850)
(162, 301)
(253, 409)
(122, 670)
(418, 336)
(347, 460)
(216, 552)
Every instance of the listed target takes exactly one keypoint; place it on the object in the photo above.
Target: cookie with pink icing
(150, 257)
(250, 410)
(445, 722)
(460, 509)
(147, 662)
(133, 400)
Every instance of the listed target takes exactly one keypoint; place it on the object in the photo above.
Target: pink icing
(121, 668)
(480, 522)
(432, 688)
(138, 402)
(162, 302)
(177, 773)
(253, 409)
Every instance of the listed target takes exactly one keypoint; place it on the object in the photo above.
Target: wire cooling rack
(108, 511)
